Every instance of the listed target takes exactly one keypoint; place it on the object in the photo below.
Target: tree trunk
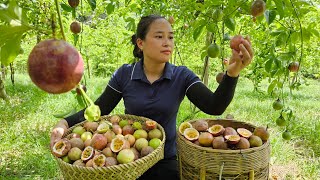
(3, 94)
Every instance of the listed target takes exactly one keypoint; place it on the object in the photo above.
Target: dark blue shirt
(160, 100)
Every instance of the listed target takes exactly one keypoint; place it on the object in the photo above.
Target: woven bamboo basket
(196, 162)
(128, 171)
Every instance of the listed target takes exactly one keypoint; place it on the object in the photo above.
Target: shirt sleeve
(214, 103)
(190, 78)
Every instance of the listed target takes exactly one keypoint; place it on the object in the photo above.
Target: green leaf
(280, 7)
(268, 65)
(230, 23)
(110, 8)
(66, 7)
(131, 26)
(270, 16)
(75, 39)
(211, 27)
(10, 50)
(92, 4)
(276, 32)
(197, 32)
(272, 85)
(8, 32)
(13, 14)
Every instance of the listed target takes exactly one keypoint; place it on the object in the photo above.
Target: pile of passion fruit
(220, 137)
(108, 142)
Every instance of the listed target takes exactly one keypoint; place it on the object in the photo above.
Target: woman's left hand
(239, 60)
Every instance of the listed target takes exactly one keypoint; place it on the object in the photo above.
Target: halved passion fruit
(103, 127)
(216, 130)
(99, 160)
(61, 148)
(232, 139)
(117, 144)
(191, 134)
(243, 132)
(183, 126)
(150, 124)
(87, 153)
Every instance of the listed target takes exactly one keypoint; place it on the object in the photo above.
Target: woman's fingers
(247, 45)
(246, 55)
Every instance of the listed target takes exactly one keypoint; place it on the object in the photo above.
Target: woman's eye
(171, 37)
(158, 36)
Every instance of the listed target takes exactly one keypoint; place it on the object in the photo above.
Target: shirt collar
(138, 73)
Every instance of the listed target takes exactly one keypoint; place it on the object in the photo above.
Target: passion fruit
(243, 143)
(277, 104)
(87, 153)
(61, 148)
(127, 129)
(255, 141)
(281, 121)
(111, 161)
(191, 134)
(257, 8)
(150, 124)
(183, 126)
(79, 163)
(219, 77)
(115, 119)
(74, 154)
(200, 125)
(77, 142)
(146, 151)
(213, 50)
(243, 132)
(116, 129)
(155, 133)
(294, 66)
(99, 141)
(286, 135)
(216, 130)
(117, 144)
(262, 132)
(75, 27)
(232, 139)
(125, 156)
(140, 133)
(154, 143)
(99, 160)
(141, 143)
(235, 42)
(103, 127)
(90, 126)
(107, 152)
(229, 131)
(130, 138)
(205, 139)
(109, 135)
(73, 3)
(55, 66)
(219, 143)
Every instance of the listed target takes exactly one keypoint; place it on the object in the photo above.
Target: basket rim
(240, 151)
(140, 160)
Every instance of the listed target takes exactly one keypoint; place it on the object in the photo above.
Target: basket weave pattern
(197, 162)
(127, 171)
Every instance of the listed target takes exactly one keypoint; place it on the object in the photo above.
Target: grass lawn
(26, 120)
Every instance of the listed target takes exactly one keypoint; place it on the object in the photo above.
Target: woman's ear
(140, 43)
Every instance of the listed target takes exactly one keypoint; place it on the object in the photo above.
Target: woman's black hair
(142, 30)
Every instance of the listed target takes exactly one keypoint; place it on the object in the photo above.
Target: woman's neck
(153, 71)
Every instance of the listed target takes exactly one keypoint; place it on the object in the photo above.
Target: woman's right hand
(58, 131)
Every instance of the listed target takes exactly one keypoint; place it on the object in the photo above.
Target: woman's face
(158, 44)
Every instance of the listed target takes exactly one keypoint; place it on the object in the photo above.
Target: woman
(154, 88)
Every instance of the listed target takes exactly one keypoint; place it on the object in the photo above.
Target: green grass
(26, 121)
